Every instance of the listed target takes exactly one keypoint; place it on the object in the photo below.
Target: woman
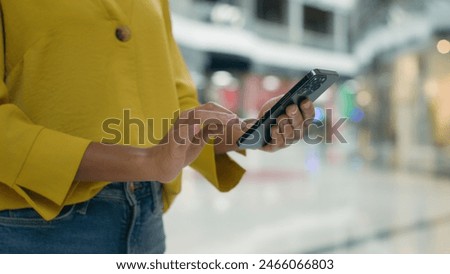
(72, 67)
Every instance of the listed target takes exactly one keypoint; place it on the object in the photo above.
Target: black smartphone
(309, 87)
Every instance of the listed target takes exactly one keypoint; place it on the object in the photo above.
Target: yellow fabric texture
(65, 72)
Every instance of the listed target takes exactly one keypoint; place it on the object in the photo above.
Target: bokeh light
(443, 46)
(357, 115)
(363, 98)
(319, 114)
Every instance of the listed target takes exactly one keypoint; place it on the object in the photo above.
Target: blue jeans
(122, 218)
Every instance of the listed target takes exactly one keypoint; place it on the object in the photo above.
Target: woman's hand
(192, 130)
(290, 126)
(163, 162)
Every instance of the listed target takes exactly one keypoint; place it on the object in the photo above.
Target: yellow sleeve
(220, 170)
(37, 163)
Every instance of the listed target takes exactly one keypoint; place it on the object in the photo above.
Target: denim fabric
(117, 220)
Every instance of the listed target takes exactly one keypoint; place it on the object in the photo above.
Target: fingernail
(197, 129)
(294, 111)
(307, 105)
(234, 119)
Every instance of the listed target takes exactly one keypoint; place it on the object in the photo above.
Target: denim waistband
(132, 191)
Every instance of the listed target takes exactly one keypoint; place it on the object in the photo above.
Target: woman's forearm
(103, 162)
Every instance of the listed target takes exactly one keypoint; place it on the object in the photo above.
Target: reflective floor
(313, 199)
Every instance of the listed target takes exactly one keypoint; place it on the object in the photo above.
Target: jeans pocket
(29, 216)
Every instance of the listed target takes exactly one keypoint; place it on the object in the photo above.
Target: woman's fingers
(293, 111)
(290, 126)
(307, 111)
(210, 116)
(214, 107)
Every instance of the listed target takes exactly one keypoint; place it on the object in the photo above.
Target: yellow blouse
(69, 66)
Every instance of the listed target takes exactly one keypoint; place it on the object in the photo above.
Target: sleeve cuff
(220, 170)
(50, 167)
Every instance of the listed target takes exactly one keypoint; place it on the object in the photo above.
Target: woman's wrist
(103, 162)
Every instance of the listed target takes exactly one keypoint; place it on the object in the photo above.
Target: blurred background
(386, 189)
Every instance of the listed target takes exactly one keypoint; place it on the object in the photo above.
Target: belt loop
(131, 186)
(130, 193)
